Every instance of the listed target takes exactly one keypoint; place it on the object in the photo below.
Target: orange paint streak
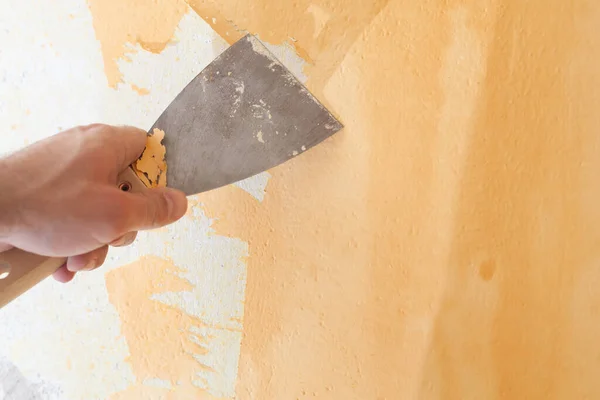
(323, 45)
(157, 335)
(445, 244)
(431, 250)
(212, 12)
(120, 24)
(140, 91)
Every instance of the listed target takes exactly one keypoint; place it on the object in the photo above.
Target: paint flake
(151, 167)
(140, 90)
(239, 90)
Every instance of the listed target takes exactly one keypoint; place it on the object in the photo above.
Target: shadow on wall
(526, 228)
(15, 386)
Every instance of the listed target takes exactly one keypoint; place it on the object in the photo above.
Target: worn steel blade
(243, 114)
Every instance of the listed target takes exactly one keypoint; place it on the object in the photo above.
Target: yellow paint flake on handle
(151, 167)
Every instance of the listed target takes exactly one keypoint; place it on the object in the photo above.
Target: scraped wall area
(443, 245)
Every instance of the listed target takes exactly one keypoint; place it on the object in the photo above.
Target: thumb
(155, 208)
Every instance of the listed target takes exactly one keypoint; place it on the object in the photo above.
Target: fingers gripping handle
(20, 270)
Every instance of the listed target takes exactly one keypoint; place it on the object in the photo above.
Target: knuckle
(118, 242)
(161, 212)
(130, 238)
(124, 240)
(95, 128)
(102, 253)
(154, 210)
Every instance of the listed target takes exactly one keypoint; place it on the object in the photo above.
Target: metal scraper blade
(243, 114)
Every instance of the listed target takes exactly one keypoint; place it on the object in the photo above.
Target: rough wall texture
(444, 245)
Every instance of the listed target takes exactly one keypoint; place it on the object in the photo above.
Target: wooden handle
(20, 270)
(128, 181)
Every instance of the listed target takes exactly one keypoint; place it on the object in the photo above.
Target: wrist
(8, 201)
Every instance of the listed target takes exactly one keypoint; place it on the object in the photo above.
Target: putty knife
(243, 114)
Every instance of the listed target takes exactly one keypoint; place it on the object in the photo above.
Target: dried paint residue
(122, 24)
(141, 91)
(259, 137)
(158, 336)
(151, 167)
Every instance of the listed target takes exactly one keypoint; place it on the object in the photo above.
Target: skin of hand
(59, 197)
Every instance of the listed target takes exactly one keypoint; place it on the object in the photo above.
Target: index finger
(127, 143)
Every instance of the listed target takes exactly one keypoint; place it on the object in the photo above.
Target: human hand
(59, 197)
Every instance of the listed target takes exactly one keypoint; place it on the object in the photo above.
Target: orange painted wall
(446, 244)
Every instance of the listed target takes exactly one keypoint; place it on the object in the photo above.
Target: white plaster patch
(159, 383)
(214, 266)
(67, 338)
(256, 185)
(286, 54)
(165, 75)
(51, 73)
(49, 69)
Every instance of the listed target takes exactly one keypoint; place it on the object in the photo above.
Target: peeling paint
(120, 26)
(151, 167)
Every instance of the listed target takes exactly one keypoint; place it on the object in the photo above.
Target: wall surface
(445, 245)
